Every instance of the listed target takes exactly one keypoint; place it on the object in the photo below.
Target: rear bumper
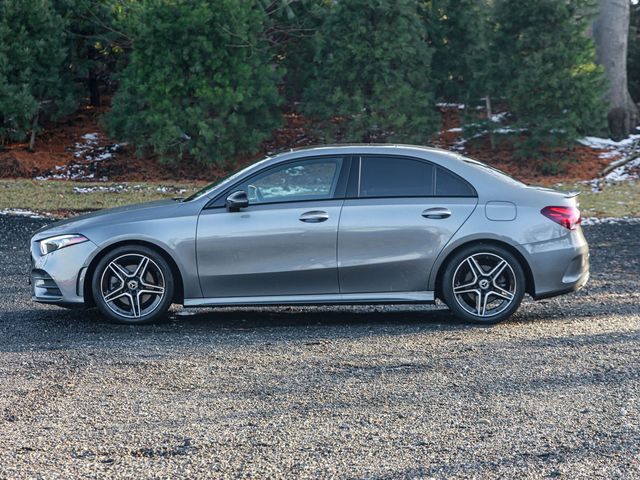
(558, 266)
(573, 288)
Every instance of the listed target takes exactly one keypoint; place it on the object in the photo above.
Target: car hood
(101, 217)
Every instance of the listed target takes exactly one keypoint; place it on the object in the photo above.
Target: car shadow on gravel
(50, 327)
(244, 317)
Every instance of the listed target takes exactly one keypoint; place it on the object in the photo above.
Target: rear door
(401, 214)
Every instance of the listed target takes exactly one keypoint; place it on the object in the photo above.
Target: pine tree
(546, 71)
(200, 81)
(633, 53)
(458, 36)
(35, 76)
(290, 31)
(95, 48)
(373, 73)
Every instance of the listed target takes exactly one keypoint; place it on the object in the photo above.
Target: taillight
(568, 217)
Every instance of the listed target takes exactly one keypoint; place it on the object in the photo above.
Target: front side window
(395, 177)
(305, 180)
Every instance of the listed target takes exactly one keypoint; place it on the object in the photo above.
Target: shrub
(372, 73)
(35, 76)
(200, 80)
(546, 71)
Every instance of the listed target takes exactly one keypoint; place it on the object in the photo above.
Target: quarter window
(395, 177)
(450, 185)
(298, 181)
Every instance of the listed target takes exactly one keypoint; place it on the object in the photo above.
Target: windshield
(228, 178)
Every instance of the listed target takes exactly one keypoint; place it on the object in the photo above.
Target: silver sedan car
(329, 225)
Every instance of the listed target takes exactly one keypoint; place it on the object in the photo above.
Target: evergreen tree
(291, 28)
(458, 35)
(633, 53)
(95, 42)
(200, 80)
(35, 75)
(546, 71)
(373, 73)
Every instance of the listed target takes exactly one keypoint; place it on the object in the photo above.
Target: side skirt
(344, 298)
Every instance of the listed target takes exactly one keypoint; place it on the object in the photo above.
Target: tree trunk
(487, 103)
(94, 89)
(34, 126)
(610, 32)
(94, 85)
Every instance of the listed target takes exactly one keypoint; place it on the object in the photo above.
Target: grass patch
(615, 200)
(61, 196)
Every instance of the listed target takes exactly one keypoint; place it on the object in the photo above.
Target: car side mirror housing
(237, 200)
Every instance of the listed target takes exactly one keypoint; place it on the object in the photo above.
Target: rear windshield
(493, 171)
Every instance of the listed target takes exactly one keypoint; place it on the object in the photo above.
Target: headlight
(49, 245)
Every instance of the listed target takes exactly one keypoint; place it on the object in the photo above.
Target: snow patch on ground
(499, 117)
(123, 187)
(172, 190)
(618, 152)
(18, 212)
(626, 172)
(498, 129)
(587, 221)
(607, 143)
(87, 154)
(459, 106)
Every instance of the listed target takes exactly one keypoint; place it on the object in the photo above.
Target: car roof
(468, 169)
(364, 148)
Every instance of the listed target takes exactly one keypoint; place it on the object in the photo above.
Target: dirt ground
(368, 392)
(59, 150)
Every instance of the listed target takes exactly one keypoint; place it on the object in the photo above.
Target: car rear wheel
(483, 284)
(133, 284)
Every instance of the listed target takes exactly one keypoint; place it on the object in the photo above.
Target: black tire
(485, 299)
(125, 292)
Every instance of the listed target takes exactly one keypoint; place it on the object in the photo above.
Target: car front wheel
(133, 284)
(483, 284)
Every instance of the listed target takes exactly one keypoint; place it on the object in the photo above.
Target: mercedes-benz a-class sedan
(328, 225)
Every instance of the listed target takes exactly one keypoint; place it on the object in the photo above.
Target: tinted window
(395, 177)
(450, 185)
(296, 181)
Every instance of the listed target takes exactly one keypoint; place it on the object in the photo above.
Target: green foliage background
(35, 79)
(372, 68)
(200, 80)
(546, 72)
(210, 79)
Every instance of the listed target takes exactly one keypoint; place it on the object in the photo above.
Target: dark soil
(55, 149)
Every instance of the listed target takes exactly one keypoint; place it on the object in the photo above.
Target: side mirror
(237, 200)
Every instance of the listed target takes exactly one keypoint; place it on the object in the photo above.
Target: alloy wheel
(484, 284)
(132, 285)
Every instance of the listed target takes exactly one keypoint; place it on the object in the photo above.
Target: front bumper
(58, 277)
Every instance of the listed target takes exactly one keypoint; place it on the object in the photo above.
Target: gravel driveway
(336, 392)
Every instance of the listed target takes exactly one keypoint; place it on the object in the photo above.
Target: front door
(404, 212)
(284, 242)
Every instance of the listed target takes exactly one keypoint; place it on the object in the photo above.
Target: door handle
(436, 212)
(314, 216)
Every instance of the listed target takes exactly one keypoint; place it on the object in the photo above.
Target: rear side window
(450, 185)
(395, 177)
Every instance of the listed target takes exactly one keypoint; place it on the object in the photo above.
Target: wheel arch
(178, 296)
(528, 274)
